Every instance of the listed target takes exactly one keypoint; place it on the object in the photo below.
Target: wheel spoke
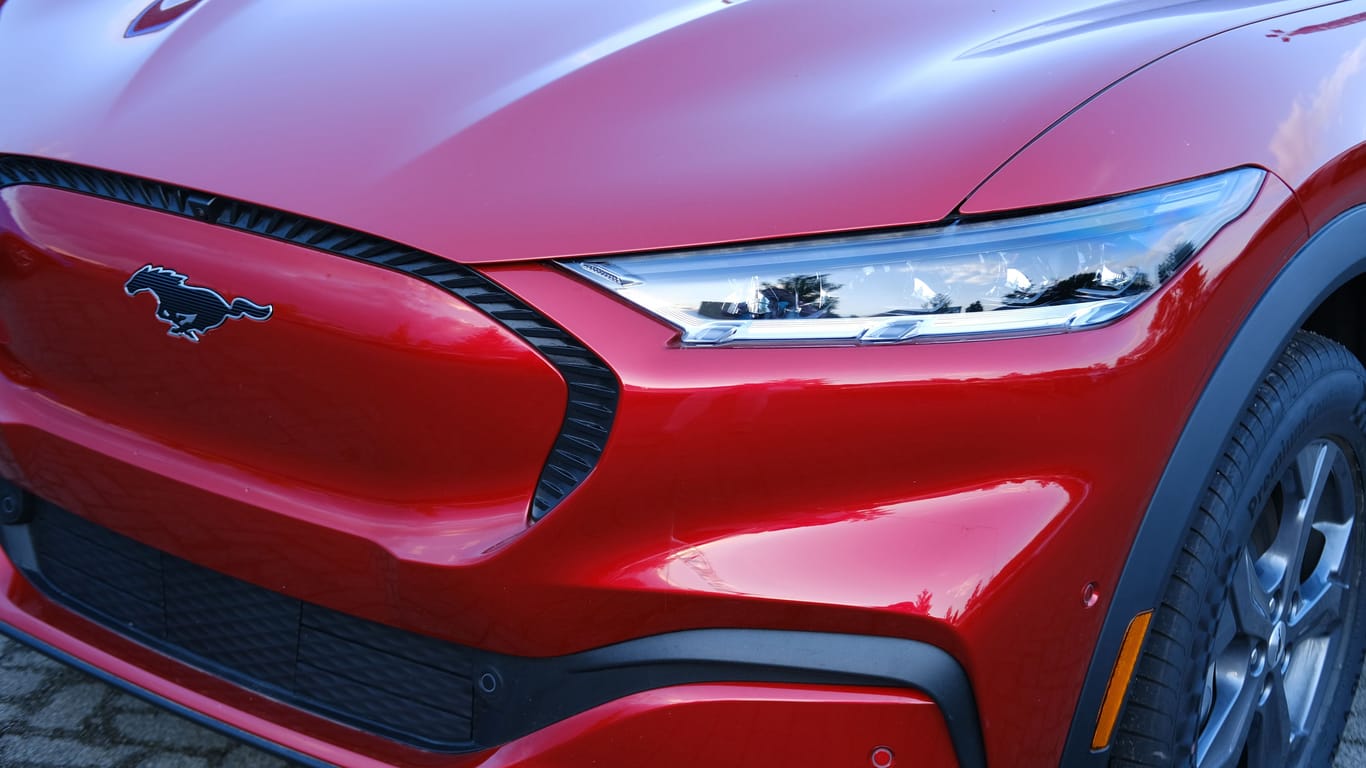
(1310, 474)
(1337, 546)
(1251, 604)
(1268, 744)
(1313, 465)
(1236, 694)
(1319, 614)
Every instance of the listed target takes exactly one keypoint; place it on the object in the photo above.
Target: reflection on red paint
(1348, 21)
(878, 557)
(159, 15)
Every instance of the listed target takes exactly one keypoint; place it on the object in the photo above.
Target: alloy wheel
(1280, 630)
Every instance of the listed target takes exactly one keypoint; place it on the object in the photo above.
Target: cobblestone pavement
(1352, 750)
(52, 715)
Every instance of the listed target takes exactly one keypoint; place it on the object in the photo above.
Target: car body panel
(644, 547)
(1314, 274)
(743, 725)
(265, 396)
(1294, 103)
(749, 724)
(966, 495)
(610, 128)
(1024, 522)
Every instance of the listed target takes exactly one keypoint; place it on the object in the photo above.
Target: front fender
(1287, 94)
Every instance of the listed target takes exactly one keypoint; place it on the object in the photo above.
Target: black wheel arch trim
(1332, 256)
(592, 386)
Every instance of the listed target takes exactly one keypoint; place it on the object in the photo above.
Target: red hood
(535, 128)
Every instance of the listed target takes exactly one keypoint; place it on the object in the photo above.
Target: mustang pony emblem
(190, 310)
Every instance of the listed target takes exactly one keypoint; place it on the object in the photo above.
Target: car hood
(537, 128)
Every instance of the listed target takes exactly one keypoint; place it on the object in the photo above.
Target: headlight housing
(1058, 271)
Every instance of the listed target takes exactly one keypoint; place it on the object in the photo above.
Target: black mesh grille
(416, 689)
(408, 687)
(593, 388)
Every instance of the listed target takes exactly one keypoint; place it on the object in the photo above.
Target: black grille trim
(417, 689)
(410, 688)
(593, 390)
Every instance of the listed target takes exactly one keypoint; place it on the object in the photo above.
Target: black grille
(407, 687)
(416, 689)
(593, 388)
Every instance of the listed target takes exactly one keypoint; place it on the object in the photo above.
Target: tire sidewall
(1329, 407)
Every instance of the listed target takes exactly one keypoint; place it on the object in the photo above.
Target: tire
(1253, 654)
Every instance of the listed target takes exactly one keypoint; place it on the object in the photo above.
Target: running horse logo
(190, 310)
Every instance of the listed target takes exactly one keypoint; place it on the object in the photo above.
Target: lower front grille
(407, 687)
(415, 689)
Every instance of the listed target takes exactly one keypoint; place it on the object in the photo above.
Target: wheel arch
(1320, 288)
(1342, 316)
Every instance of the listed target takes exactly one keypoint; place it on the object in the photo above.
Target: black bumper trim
(434, 695)
(593, 389)
(694, 656)
(562, 686)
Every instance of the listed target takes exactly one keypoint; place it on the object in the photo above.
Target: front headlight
(1063, 270)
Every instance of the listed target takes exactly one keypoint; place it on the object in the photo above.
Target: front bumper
(792, 496)
(613, 706)
(418, 691)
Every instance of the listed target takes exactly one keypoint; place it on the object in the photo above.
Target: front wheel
(1253, 654)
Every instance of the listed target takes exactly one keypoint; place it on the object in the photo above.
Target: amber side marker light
(1120, 678)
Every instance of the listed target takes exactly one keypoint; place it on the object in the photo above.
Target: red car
(692, 382)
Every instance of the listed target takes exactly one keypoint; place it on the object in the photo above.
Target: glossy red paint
(158, 16)
(996, 537)
(1290, 101)
(489, 132)
(973, 554)
(961, 494)
(66, 256)
(743, 724)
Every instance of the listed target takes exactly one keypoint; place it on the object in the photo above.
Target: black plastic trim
(508, 696)
(712, 655)
(375, 678)
(556, 688)
(176, 708)
(1335, 255)
(593, 390)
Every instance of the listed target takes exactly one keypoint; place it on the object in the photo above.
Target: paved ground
(1352, 750)
(51, 715)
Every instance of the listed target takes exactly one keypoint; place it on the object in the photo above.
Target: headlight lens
(1063, 270)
